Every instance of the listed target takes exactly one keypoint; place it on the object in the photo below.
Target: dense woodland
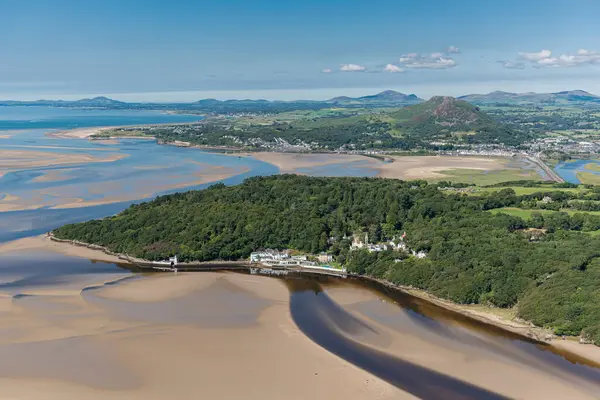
(474, 256)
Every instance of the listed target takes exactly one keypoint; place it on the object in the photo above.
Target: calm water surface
(146, 169)
(568, 170)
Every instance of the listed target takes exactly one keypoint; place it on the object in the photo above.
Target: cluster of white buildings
(358, 243)
(280, 259)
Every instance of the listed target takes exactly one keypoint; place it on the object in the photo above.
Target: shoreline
(86, 133)
(388, 166)
(520, 328)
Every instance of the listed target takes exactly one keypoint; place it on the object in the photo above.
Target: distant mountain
(100, 102)
(447, 118)
(387, 98)
(557, 98)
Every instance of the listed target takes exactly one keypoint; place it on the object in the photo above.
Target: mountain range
(387, 98)
(557, 98)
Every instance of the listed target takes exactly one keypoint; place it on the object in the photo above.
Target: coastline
(86, 133)
(492, 317)
(480, 314)
(385, 166)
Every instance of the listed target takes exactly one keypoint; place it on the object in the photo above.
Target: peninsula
(464, 244)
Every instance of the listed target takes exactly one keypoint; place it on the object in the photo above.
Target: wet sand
(43, 243)
(402, 167)
(503, 366)
(54, 175)
(23, 159)
(180, 335)
(69, 195)
(585, 350)
(143, 190)
(238, 342)
(290, 163)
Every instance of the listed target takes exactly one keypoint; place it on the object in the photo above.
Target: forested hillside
(474, 256)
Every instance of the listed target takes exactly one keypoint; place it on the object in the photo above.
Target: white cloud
(352, 68)
(512, 65)
(428, 61)
(393, 68)
(544, 59)
(326, 71)
(535, 57)
(453, 50)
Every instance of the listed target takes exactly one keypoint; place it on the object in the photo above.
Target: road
(553, 175)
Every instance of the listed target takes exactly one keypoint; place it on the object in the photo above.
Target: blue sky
(184, 50)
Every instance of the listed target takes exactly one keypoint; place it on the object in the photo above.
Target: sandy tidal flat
(291, 163)
(43, 243)
(188, 335)
(23, 159)
(123, 343)
(401, 167)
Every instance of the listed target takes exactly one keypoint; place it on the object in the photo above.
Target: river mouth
(356, 332)
(328, 325)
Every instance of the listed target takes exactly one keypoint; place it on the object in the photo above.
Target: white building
(420, 254)
(268, 255)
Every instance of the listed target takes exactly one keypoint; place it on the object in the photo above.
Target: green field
(588, 178)
(526, 214)
(481, 177)
(520, 191)
(592, 166)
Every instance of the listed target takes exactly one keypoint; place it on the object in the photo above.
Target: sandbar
(290, 163)
(87, 133)
(143, 190)
(44, 243)
(82, 133)
(54, 175)
(23, 159)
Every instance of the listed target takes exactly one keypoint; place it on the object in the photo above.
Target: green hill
(473, 256)
(448, 119)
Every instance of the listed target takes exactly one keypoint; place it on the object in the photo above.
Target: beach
(82, 133)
